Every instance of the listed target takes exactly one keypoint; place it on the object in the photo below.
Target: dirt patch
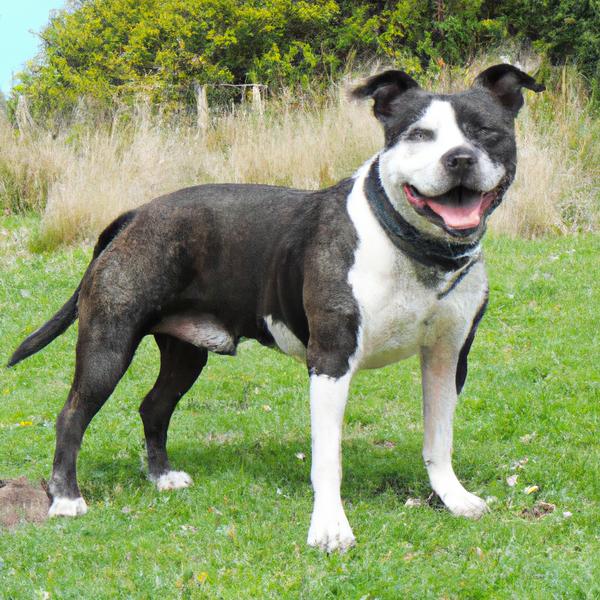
(538, 510)
(22, 502)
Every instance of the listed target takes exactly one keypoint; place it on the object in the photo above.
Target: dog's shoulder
(311, 257)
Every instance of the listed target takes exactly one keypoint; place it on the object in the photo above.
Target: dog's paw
(67, 507)
(465, 504)
(173, 480)
(330, 531)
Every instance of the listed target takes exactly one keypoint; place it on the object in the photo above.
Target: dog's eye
(420, 135)
(487, 133)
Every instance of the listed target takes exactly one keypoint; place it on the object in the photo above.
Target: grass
(240, 531)
(83, 175)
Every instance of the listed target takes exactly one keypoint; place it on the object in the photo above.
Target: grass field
(530, 408)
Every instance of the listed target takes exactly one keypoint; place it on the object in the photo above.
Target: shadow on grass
(369, 470)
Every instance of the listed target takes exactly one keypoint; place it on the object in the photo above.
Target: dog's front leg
(329, 527)
(438, 367)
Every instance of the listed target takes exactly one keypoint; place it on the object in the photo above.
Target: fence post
(257, 103)
(25, 121)
(201, 108)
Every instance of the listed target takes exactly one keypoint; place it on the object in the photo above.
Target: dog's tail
(67, 315)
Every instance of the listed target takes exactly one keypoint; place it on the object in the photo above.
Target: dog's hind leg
(103, 355)
(180, 365)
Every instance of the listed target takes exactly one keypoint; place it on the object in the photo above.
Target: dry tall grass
(91, 174)
(557, 187)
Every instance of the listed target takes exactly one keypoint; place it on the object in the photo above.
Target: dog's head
(448, 159)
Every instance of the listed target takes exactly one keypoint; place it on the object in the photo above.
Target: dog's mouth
(459, 211)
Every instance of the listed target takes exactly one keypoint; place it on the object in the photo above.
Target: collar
(426, 250)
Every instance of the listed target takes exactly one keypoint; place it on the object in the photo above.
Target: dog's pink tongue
(458, 217)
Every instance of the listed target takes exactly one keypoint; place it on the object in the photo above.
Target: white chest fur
(399, 312)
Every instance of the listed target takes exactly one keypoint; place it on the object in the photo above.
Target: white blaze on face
(419, 162)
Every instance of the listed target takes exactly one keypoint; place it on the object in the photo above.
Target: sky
(19, 21)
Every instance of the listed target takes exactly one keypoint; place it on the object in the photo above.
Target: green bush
(115, 50)
(563, 30)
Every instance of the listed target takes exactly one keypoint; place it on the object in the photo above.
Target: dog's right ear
(385, 88)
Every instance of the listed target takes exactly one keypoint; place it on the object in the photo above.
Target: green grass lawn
(532, 396)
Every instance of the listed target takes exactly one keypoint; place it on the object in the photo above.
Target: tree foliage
(116, 49)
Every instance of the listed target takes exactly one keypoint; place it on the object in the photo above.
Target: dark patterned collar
(427, 251)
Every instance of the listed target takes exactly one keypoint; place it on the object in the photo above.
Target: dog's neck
(444, 255)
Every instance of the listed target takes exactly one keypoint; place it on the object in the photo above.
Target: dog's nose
(459, 160)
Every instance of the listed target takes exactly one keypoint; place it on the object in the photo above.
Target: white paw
(67, 507)
(464, 504)
(330, 530)
(173, 480)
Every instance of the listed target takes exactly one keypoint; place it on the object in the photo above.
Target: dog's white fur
(392, 306)
(67, 507)
(329, 527)
(173, 480)
(439, 400)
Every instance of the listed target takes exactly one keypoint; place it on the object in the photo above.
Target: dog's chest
(397, 317)
(398, 310)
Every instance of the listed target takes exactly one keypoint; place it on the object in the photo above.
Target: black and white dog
(377, 268)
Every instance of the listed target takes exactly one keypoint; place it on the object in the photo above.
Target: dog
(381, 266)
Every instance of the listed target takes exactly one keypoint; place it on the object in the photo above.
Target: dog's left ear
(385, 88)
(505, 82)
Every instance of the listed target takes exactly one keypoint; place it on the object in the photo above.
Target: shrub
(111, 51)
